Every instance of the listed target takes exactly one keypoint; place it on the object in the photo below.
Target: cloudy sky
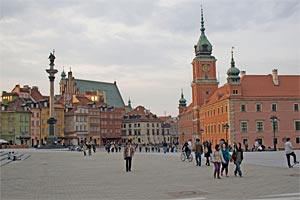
(144, 45)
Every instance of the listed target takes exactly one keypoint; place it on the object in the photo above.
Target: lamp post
(201, 131)
(226, 126)
(274, 120)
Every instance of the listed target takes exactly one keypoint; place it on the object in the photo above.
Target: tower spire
(203, 46)
(233, 72)
(202, 21)
(232, 59)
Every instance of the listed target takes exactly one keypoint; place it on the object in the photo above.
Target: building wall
(285, 113)
(35, 124)
(213, 117)
(185, 127)
(15, 127)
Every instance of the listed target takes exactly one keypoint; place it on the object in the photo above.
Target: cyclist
(186, 149)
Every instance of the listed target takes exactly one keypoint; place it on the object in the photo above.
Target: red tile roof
(263, 86)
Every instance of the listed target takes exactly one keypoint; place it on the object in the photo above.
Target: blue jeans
(198, 159)
(237, 168)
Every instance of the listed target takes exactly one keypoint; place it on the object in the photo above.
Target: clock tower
(204, 69)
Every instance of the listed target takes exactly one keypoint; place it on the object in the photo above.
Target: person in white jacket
(217, 159)
(288, 148)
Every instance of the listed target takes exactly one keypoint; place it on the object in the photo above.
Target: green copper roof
(203, 46)
(233, 72)
(63, 74)
(182, 100)
(113, 95)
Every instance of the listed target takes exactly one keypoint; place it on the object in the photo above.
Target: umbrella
(3, 141)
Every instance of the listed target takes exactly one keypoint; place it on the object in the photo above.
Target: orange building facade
(242, 109)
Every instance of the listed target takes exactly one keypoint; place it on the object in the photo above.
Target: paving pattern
(50, 174)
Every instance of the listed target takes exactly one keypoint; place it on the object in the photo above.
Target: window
(274, 107)
(296, 107)
(297, 125)
(243, 107)
(259, 126)
(244, 126)
(258, 107)
(297, 140)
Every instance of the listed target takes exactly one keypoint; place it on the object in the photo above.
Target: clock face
(205, 68)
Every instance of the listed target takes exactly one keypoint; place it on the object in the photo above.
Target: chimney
(243, 73)
(275, 77)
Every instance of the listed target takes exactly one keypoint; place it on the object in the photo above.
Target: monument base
(52, 143)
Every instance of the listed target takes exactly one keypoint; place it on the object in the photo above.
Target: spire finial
(232, 60)
(202, 21)
(182, 93)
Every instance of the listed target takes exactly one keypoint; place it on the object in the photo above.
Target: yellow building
(45, 115)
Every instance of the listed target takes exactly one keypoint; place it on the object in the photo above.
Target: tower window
(207, 92)
(235, 91)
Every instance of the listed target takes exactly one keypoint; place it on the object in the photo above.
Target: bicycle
(183, 157)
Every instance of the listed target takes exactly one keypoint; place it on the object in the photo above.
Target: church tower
(204, 69)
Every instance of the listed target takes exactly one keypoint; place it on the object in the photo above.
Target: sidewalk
(70, 175)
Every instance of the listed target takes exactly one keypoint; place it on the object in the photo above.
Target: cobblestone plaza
(69, 175)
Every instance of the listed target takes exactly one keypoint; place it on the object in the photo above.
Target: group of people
(112, 147)
(220, 157)
(88, 147)
(12, 156)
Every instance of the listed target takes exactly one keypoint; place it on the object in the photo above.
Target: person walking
(207, 152)
(238, 157)
(186, 149)
(128, 154)
(288, 148)
(226, 156)
(198, 152)
(217, 159)
(89, 146)
(84, 148)
(94, 148)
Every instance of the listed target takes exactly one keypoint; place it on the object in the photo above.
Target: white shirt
(288, 147)
(190, 144)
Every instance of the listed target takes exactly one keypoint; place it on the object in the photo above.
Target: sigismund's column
(51, 139)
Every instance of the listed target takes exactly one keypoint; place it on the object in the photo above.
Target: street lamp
(226, 126)
(201, 131)
(274, 120)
